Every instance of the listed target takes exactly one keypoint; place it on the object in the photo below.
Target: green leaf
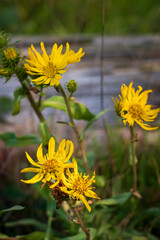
(18, 95)
(3, 236)
(27, 222)
(95, 118)
(117, 200)
(33, 236)
(11, 140)
(81, 235)
(79, 110)
(45, 134)
(6, 105)
(14, 208)
(100, 181)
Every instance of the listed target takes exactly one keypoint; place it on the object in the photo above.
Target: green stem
(32, 102)
(50, 210)
(75, 129)
(76, 212)
(48, 233)
(133, 159)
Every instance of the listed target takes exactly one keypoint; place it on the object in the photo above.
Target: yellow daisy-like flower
(10, 53)
(72, 56)
(51, 165)
(134, 108)
(46, 68)
(78, 186)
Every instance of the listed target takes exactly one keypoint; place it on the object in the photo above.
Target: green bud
(71, 86)
(21, 73)
(10, 58)
(4, 39)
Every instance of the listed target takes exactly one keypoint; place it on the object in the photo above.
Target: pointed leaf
(11, 140)
(79, 110)
(14, 208)
(33, 236)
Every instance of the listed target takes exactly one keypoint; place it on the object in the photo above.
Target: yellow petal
(30, 170)
(40, 154)
(45, 55)
(85, 202)
(51, 148)
(31, 160)
(69, 150)
(35, 179)
(54, 185)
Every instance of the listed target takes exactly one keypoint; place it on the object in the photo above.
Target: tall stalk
(134, 167)
(80, 221)
(66, 99)
(105, 126)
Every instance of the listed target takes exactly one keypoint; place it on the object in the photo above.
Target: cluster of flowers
(132, 107)
(61, 175)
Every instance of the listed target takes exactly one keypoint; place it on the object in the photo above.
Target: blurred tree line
(79, 16)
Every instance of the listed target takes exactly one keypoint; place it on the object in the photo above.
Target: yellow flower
(78, 186)
(46, 68)
(51, 165)
(4, 71)
(118, 106)
(134, 108)
(72, 56)
(10, 53)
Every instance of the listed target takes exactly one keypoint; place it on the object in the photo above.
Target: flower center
(80, 185)
(50, 70)
(50, 166)
(10, 53)
(136, 111)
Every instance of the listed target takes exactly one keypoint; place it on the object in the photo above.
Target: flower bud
(4, 39)
(10, 58)
(71, 86)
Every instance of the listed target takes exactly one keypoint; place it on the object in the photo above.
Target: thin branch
(76, 212)
(75, 129)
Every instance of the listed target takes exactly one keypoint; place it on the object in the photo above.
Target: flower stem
(87, 232)
(32, 102)
(75, 129)
(133, 159)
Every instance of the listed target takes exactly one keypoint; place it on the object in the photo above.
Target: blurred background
(74, 16)
(131, 53)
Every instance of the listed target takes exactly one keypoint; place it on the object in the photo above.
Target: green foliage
(18, 95)
(79, 110)
(70, 16)
(81, 235)
(10, 139)
(32, 236)
(6, 105)
(44, 131)
(14, 208)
